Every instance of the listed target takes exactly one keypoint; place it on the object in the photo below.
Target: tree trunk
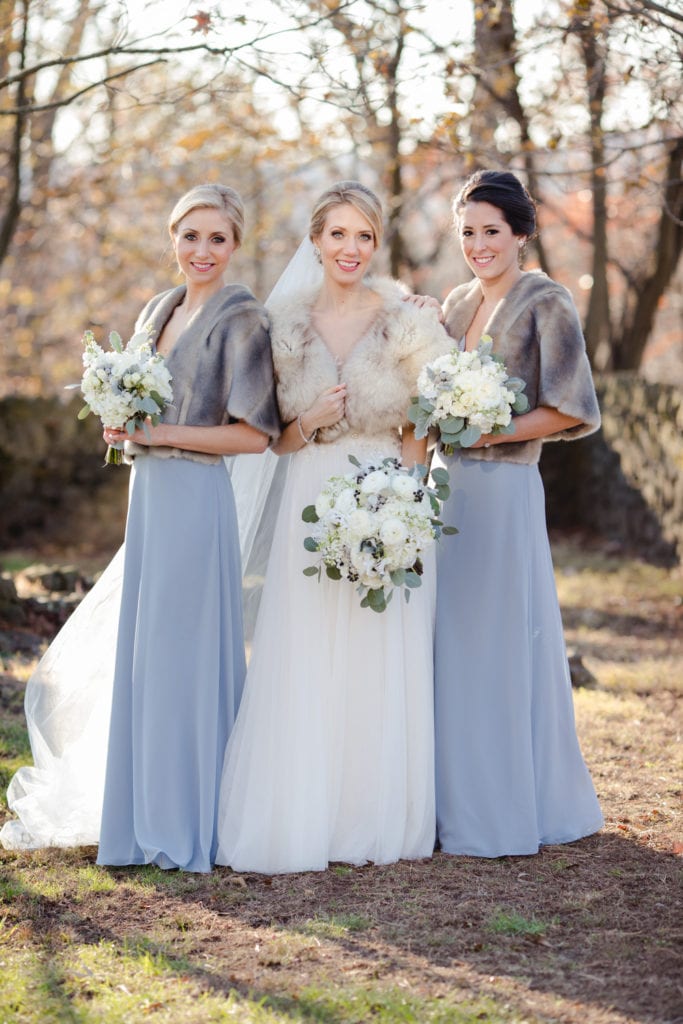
(628, 351)
(497, 89)
(597, 327)
(12, 201)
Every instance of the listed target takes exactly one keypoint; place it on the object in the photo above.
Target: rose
(403, 485)
(360, 523)
(345, 502)
(393, 532)
(374, 482)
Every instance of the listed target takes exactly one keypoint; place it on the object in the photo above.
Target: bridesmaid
(509, 773)
(180, 658)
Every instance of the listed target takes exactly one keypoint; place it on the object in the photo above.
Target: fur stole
(380, 371)
(221, 365)
(536, 330)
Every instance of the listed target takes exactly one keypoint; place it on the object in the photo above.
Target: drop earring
(316, 253)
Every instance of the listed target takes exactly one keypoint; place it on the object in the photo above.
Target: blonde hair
(213, 197)
(354, 194)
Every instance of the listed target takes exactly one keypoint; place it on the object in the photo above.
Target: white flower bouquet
(465, 395)
(125, 386)
(372, 525)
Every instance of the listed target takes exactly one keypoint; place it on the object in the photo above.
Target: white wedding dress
(331, 755)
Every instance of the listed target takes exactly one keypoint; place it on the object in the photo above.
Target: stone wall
(624, 483)
(54, 487)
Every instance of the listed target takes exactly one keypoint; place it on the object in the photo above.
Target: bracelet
(306, 440)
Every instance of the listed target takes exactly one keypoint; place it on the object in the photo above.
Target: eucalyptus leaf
(310, 544)
(521, 403)
(426, 404)
(443, 492)
(398, 577)
(84, 412)
(131, 426)
(311, 570)
(149, 405)
(451, 425)
(309, 514)
(377, 600)
(354, 461)
(449, 530)
(146, 430)
(470, 436)
(413, 580)
(440, 476)
(333, 572)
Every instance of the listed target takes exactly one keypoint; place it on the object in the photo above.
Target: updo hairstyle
(213, 197)
(359, 196)
(506, 192)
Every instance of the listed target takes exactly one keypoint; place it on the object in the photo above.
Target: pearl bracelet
(306, 440)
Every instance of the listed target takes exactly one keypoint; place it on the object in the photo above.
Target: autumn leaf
(203, 22)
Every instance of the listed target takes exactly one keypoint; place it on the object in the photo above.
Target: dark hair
(506, 192)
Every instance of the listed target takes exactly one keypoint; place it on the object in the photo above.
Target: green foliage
(511, 923)
(309, 514)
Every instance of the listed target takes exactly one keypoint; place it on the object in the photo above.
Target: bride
(331, 757)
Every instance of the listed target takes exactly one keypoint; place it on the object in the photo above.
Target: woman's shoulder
(234, 308)
(161, 305)
(537, 286)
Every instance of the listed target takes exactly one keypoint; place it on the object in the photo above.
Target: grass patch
(357, 1005)
(336, 925)
(453, 940)
(14, 742)
(509, 922)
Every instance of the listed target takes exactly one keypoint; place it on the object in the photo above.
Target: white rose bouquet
(371, 527)
(465, 395)
(125, 386)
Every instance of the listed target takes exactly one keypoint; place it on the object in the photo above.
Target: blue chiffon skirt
(179, 667)
(509, 772)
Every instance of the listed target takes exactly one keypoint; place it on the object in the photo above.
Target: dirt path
(585, 933)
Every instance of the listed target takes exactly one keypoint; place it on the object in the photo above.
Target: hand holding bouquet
(372, 525)
(465, 395)
(125, 387)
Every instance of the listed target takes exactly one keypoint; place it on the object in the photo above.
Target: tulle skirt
(509, 772)
(331, 757)
(179, 667)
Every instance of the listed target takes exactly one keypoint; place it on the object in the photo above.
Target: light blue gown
(509, 772)
(179, 667)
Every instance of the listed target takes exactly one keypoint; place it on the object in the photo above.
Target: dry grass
(585, 933)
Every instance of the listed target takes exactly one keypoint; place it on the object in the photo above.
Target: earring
(520, 242)
(316, 253)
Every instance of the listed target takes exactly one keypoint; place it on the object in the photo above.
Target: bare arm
(226, 439)
(413, 452)
(539, 422)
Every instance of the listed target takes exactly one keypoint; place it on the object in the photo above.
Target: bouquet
(125, 386)
(371, 526)
(465, 395)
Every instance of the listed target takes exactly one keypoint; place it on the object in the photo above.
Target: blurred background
(110, 110)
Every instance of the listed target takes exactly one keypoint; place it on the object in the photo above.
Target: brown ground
(598, 932)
